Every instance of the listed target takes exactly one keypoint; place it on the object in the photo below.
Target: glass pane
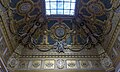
(66, 12)
(53, 11)
(71, 12)
(60, 0)
(53, 5)
(72, 5)
(60, 5)
(46, 0)
(60, 11)
(47, 5)
(48, 12)
(67, 0)
(73, 0)
(52, 0)
(66, 5)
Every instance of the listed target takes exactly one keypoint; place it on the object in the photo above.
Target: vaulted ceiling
(87, 35)
(89, 26)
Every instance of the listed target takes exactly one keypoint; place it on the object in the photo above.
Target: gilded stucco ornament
(60, 31)
(60, 63)
(85, 64)
(91, 33)
(23, 64)
(24, 7)
(96, 8)
(118, 70)
(60, 46)
(33, 30)
(119, 38)
(27, 32)
(95, 64)
(49, 64)
(36, 64)
(71, 64)
(107, 63)
(12, 63)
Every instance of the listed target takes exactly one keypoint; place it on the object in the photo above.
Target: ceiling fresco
(85, 30)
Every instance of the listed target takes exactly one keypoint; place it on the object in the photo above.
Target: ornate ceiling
(86, 29)
(62, 42)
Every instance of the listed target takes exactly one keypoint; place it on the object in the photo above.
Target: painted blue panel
(69, 40)
(81, 40)
(51, 23)
(40, 39)
(99, 29)
(34, 12)
(2, 8)
(68, 23)
(85, 12)
(50, 40)
(18, 17)
(118, 10)
(35, 0)
(102, 18)
(13, 3)
(107, 3)
(85, 1)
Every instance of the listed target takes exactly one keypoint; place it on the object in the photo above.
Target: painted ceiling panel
(87, 27)
(42, 38)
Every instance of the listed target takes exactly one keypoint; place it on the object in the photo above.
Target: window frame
(62, 15)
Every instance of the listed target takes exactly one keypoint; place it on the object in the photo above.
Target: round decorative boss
(96, 8)
(24, 7)
(59, 31)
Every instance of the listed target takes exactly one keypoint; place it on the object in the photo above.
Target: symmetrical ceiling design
(33, 29)
(61, 41)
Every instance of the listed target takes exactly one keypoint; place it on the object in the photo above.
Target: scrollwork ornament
(26, 32)
(60, 46)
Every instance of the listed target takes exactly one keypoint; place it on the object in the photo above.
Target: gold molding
(5, 33)
(113, 39)
(116, 61)
(59, 71)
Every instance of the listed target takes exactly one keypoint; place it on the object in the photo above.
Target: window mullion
(56, 7)
(66, 10)
(50, 6)
(70, 7)
(63, 7)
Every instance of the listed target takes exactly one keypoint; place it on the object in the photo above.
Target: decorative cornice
(59, 56)
(114, 37)
(59, 71)
(5, 33)
(116, 61)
